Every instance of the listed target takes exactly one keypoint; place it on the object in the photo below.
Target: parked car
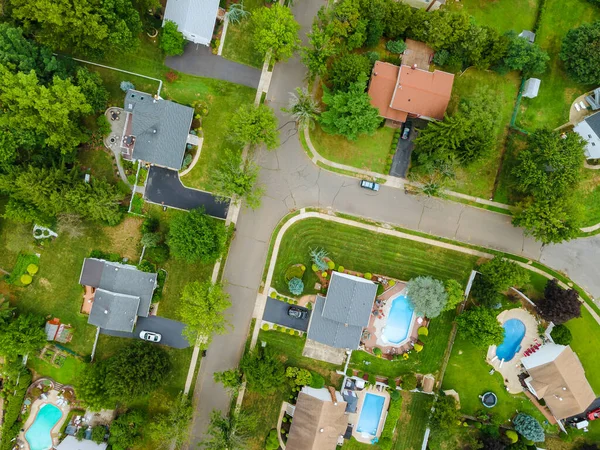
(406, 131)
(150, 336)
(369, 185)
(594, 414)
(297, 313)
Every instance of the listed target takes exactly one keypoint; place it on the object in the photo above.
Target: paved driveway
(276, 311)
(165, 188)
(199, 60)
(170, 330)
(404, 150)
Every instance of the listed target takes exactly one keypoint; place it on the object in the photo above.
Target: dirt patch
(125, 238)
(43, 282)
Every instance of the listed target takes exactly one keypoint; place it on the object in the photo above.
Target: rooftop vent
(106, 311)
(414, 66)
(321, 430)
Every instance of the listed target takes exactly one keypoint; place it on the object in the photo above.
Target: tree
(171, 428)
(322, 47)
(303, 109)
(580, 55)
(255, 125)
(275, 30)
(92, 87)
(236, 12)
(396, 46)
(350, 113)
(486, 293)
(397, 19)
(22, 336)
(455, 294)
(561, 335)
(194, 236)
(492, 443)
(375, 14)
(231, 379)
(296, 286)
(524, 56)
(427, 295)
(317, 256)
(236, 178)
(347, 69)
(98, 433)
(559, 305)
(298, 376)
(172, 41)
(528, 427)
(480, 326)
(503, 274)
(91, 387)
(445, 414)
(228, 432)
(126, 430)
(6, 311)
(409, 382)
(263, 370)
(202, 310)
(151, 240)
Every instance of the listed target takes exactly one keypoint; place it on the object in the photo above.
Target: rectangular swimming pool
(370, 414)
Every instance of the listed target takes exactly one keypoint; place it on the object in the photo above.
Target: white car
(150, 336)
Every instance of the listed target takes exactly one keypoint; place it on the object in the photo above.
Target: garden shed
(531, 88)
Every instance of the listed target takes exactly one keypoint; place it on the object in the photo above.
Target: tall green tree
(322, 47)
(427, 295)
(455, 293)
(231, 379)
(22, 336)
(228, 432)
(445, 413)
(172, 41)
(255, 125)
(194, 236)
(275, 30)
(127, 429)
(171, 428)
(524, 56)
(237, 179)
(504, 274)
(202, 309)
(303, 108)
(6, 311)
(263, 370)
(397, 19)
(347, 69)
(580, 55)
(350, 113)
(480, 326)
(90, 387)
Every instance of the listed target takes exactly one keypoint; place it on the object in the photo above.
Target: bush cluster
(387, 435)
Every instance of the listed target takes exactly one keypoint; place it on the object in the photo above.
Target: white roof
(194, 18)
(321, 394)
(547, 353)
(531, 88)
(583, 129)
(70, 443)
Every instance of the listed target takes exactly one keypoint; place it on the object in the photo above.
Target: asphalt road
(170, 330)
(165, 188)
(276, 311)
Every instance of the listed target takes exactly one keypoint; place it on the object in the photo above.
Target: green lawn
(557, 91)
(585, 344)
(99, 163)
(365, 251)
(68, 373)
(503, 15)
(591, 198)
(367, 152)
(413, 421)
(239, 45)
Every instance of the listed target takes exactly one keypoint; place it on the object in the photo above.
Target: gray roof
(194, 18)
(70, 443)
(160, 127)
(120, 279)
(529, 35)
(594, 122)
(112, 311)
(331, 332)
(349, 299)
(351, 401)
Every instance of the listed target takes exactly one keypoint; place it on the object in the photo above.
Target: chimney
(414, 66)
(332, 393)
(106, 311)
(374, 74)
(321, 430)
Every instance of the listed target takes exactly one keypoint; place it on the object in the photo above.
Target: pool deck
(510, 370)
(353, 418)
(52, 398)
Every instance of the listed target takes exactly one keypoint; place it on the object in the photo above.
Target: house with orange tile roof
(405, 91)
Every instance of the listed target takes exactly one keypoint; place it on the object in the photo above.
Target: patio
(88, 300)
(353, 419)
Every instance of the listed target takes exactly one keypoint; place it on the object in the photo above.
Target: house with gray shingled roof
(339, 318)
(121, 293)
(156, 130)
(194, 18)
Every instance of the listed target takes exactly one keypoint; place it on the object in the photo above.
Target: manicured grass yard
(503, 15)
(413, 421)
(557, 92)
(367, 152)
(585, 344)
(68, 373)
(239, 45)
(365, 251)
(591, 199)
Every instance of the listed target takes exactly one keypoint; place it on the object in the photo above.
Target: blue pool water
(398, 321)
(370, 414)
(38, 434)
(514, 330)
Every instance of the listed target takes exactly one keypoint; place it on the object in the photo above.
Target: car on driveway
(297, 313)
(594, 414)
(369, 185)
(150, 336)
(406, 131)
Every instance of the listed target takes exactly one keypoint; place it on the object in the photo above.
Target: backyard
(239, 45)
(500, 14)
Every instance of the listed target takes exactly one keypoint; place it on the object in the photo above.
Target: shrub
(387, 434)
(394, 394)
(360, 374)
(126, 86)
(392, 283)
(187, 160)
(171, 76)
(294, 271)
(528, 427)
(292, 332)
(296, 333)
(561, 335)
(309, 306)
(418, 347)
(150, 225)
(314, 268)
(512, 436)
(272, 442)
(368, 276)
(331, 265)
(341, 269)
(396, 46)
(146, 266)
(296, 286)
(349, 372)
(372, 379)
(380, 289)
(32, 269)
(324, 274)
(409, 381)
(317, 381)
(318, 256)
(441, 57)
(423, 331)
(26, 279)
(266, 326)
(172, 41)
(377, 351)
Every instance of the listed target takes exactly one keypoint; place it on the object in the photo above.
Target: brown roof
(317, 424)
(401, 90)
(562, 384)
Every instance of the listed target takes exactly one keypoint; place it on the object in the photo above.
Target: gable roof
(70, 443)
(119, 279)
(589, 130)
(349, 299)
(160, 128)
(401, 90)
(560, 378)
(113, 311)
(528, 35)
(194, 18)
(318, 421)
(330, 332)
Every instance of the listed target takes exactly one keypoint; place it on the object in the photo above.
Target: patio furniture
(582, 105)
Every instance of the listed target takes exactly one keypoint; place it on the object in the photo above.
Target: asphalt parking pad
(170, 331)
(276, 311)
(165, 188)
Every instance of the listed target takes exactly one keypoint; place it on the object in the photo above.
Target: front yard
(239, 45)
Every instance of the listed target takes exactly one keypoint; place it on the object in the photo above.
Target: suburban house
(156, 130)
(405, 91)
(71, 443)
(194, 18)
(589, 130)
(557, 376)
(320, 420)
(116, 294)
(339, 318)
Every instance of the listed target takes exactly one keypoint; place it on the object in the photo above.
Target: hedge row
(387, 435)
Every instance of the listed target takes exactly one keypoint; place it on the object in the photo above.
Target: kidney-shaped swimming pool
(514, 331)
(38, 435)
(398, 323)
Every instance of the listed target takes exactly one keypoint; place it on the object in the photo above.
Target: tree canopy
(525, 56)
(237, 179)
(427, 295)
(347, 69)
(172, 41)
(263, 370)
(445, 414)
(275, 29)
(23, 335)
(194, 236)
(480, 326)
(580, 54)
(255, 125)
(171, 428)
(561, 335)
(126, 430)
(504, 274)
(455, 293)
(528, 427)
(559, 305)
(228, 432)
(303, 108)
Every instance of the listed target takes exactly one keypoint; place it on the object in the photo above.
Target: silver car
(369, 185)
(150, 336)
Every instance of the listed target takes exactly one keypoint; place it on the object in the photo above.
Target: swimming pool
(514, 331)
(38, 435)
(397, 326)
(370, 414)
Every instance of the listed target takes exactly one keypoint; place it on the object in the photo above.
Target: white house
(589, 129)
(194, 18)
